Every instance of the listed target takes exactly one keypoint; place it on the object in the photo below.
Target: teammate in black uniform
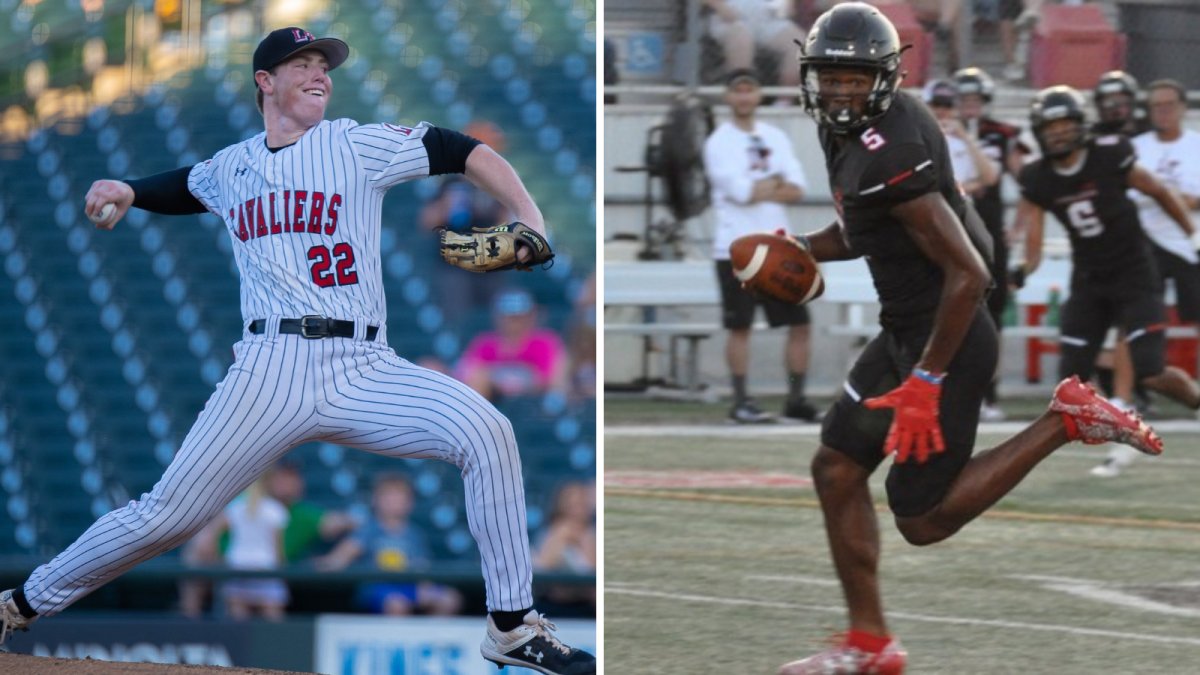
(1000, 143)
(1116, 98)
(1083, 180)
(900, 207)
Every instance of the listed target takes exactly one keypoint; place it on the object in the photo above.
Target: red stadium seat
(1074, 45)
(916, 60)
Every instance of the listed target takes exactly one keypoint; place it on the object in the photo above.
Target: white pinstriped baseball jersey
(305, 219)
(305, 222)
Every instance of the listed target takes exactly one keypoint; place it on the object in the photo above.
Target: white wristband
(1195, 239)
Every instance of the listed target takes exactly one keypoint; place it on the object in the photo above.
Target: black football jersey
(997, 140)
(1092, 204)
(899, 158)
(1134, 126)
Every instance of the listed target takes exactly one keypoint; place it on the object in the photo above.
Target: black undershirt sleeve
(166, 193)
(448, 150)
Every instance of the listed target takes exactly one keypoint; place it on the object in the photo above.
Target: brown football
(777, 267)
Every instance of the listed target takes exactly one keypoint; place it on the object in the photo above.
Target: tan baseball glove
(494, 249)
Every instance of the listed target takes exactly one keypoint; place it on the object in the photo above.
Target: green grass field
(710, 567)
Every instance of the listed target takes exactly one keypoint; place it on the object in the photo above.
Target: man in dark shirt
(899, 207)
(1116, 97)
(1084, 181)
(1000, 143)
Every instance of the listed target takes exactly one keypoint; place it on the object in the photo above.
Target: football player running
(917, 387)
(1083, 181)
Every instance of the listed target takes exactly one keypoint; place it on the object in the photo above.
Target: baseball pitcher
(302, 202)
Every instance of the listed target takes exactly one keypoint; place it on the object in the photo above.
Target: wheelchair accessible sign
(644, 54)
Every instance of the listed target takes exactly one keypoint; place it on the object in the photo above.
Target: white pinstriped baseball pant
(281, 392)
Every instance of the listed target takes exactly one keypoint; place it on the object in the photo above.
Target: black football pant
(1128, 301)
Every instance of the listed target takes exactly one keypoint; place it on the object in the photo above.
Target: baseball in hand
(105, 214)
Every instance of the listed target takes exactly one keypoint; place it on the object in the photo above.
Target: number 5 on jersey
(1083, 218)
(344, 255)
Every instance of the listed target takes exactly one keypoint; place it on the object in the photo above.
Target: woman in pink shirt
(517, 358)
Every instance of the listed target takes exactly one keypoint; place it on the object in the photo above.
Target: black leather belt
(313, 328)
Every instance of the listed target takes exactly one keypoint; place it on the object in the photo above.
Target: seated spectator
(309, 527)
(255, 522)
(742, 25)
(568, 544)
(393, 544)
(459, 205)
(1004, 13)
(941, 17)
(517, 358)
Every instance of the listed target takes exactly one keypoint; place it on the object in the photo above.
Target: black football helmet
(852, 35)
(1057, 103)
(975, 81)
(1113, 115)
(1115, 82)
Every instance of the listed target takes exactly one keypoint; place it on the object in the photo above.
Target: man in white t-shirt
(1172, 154)
(754, 174)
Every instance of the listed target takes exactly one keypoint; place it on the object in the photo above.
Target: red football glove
(915, 427)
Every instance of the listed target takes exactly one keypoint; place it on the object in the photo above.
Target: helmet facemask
(864, 107)
(1060, 150)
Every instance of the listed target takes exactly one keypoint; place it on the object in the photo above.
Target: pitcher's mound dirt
(21, 664)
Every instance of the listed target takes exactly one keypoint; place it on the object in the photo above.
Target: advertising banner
(361, 645)
(149, 640)
(155, 638)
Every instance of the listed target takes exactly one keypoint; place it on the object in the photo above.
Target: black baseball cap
(281, 44)
(941, 93)
(740, 74)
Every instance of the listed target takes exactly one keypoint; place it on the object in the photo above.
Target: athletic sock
(507, 621)
(739, 389)
(867, 642)
(23, 604)
(796, 386)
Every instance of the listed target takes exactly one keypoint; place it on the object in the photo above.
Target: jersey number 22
(344, 255)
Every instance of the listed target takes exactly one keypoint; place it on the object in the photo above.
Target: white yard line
(1101, 591)
(808, 581)
(616, 589)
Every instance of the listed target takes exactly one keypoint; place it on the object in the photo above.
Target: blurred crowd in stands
(741, 31)
(272, 525)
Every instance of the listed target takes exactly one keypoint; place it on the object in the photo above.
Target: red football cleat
(1093, 420)
(844, 659)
